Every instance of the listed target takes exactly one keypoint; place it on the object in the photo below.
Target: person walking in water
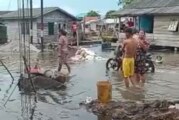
(129, 48)
(63, 50)
(135, 34)
(142, 48)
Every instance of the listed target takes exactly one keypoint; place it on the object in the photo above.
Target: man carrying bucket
(129, 51)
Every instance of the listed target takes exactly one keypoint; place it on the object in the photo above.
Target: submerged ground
(64, 104)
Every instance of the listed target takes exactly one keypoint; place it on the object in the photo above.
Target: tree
(124, 3)
(93, 14)
(108, 14)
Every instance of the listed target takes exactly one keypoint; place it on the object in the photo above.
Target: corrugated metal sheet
(148, 11)
(140, 7)
(133, 12)
(36, 13)
(152, 4)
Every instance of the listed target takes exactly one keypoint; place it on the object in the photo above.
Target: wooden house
(55, 18)
(159, 18)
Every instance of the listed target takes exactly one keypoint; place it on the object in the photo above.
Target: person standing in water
(135, 34)
(63, 50)
(142, 48)
(129, 47)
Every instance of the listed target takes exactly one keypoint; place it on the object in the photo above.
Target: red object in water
(33, 70)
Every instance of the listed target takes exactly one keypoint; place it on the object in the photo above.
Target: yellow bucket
(104, 91)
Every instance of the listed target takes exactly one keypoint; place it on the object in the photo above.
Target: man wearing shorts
(129, 48)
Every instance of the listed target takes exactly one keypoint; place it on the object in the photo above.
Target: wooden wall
(161, 36)
(56, 17)
(161, 24)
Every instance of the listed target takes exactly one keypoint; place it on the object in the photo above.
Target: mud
(43, 82)
(144, 110)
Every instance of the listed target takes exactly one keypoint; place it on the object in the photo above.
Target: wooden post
(134, 21)
(31, 22)
(42, 27)
(23, 26)
(77, 37)
(84, 27)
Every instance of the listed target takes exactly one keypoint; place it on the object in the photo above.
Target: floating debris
(83, 54)
(42, 81)
(146, 110)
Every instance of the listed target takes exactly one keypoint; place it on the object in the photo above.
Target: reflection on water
(136, 94)
(63, 104)
(28, 105)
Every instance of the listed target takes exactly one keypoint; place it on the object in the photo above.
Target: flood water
(64, 104)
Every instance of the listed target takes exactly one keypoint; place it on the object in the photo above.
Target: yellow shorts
(128, 67)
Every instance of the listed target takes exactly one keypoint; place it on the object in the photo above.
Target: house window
(25, 28)
(59, 26)
(50, 28)
(173, 26)
(64, 26)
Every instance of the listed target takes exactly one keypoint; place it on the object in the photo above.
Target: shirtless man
(129, 46)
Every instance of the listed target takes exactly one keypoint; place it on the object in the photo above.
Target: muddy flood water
(64, 104)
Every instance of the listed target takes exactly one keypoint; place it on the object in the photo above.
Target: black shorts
(74, 34)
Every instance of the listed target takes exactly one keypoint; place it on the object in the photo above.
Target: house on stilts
(159, 19)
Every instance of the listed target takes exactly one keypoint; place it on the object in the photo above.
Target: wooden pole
(42, 27)
(77, 37)
(31, 22)
(23, 26)
(84, 27)
(7, 70)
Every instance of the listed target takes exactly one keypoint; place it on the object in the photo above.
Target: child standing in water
(63, 50)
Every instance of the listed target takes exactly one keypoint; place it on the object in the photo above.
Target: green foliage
(108, 14)
(93, 13)
(125, 2)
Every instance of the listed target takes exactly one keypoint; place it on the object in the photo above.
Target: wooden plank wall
(158, 39)
(161, 35)
(161, 24)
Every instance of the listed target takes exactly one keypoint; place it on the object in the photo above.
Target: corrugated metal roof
(152, 4)
(36, 13)
(4, 12)
(140, 7)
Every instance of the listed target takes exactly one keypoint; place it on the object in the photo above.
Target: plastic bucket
(104, 91)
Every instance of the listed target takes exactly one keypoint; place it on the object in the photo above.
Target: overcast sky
(72, 6)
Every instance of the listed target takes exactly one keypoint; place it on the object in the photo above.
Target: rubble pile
(13, 46)
(83, 54)
(146, 110)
